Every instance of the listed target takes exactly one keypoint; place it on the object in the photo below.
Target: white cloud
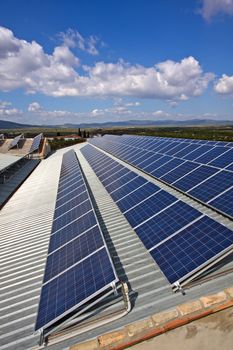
(211, 8)
(72, 38)
(34, 107)
(26, 65)
(36, 114)
(7, 111)
(224, 85)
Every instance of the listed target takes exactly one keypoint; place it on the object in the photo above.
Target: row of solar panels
(35, 143)
(78, 266)
(193, 141)
(182, 240)
(201, 171)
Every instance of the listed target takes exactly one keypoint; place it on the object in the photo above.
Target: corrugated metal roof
(25, 224)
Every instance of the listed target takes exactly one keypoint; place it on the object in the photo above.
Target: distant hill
(192, 122)
(11, 125)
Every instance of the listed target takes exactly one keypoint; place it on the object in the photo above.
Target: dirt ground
(214, 332)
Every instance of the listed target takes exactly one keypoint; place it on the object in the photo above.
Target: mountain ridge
(130, 123)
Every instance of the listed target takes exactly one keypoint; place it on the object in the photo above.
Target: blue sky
(94, 61)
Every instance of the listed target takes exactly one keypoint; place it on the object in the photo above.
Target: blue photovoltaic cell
(230, 167)
(168, 147)
(72, 252)
(108, 171)
(195, 177)
(157, 163)
(149, 207)
(191, 248)
(198, 152)
(67, 217)
(187, 150)
(70, 187)
(210, 155)
(137, 154)
(224, 202)
(167, 167)
(180, 171)
(70, 195)
(72, 230)
(66, 185)
(141, 159)
(180, 146)
(150, 160)
(121, 181)
(36, 143)
(71, 204)
(74, 286)
(74, 173)
(137, 196)
(214, 186)
(224, 160)
(121, 173)
(128, 187)
(166, 223)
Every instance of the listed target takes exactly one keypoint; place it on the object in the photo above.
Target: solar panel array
(78, 266)
(15, 141)
(36, 143)
(201, 169)
(181, 239)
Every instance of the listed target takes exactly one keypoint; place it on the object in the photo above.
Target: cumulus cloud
(7, 111)
(224, 85)
(34, 107)
(27, 66)
(211, 8)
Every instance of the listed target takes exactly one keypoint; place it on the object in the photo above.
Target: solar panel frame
(104, 247)
(76, 305)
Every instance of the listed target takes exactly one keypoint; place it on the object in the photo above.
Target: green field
(221, 133)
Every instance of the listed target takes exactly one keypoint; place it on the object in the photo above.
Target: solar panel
(176, 170)
(71, 289)
(157, 163)
(166, 223)
(15, 141)
(78, 267)
(149, 207)
(182, 240)
(36, 143)
(164, 169)
(128, 187)
(137, 194)
(187, 150)
(214, 186)
(76, 250)
(198, 152)
(211, 155)
(224, 202)
(195, 177)
(192, 248)
(223, 160)
(179, 172)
